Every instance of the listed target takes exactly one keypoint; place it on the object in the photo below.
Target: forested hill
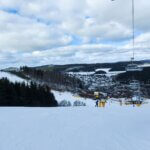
(20, 94)
(117, 66)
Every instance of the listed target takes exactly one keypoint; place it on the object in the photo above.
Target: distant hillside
(118, 66)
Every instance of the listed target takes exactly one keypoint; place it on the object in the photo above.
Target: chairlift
(137, 98)
(134, 85)
(133, 67)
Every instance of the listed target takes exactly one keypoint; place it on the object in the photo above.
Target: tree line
(54, 79)
(28, 95)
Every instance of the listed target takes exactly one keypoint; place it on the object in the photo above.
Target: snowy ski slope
(75, 128)
(11, 77)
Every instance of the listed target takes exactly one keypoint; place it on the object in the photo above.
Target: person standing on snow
(96, 103)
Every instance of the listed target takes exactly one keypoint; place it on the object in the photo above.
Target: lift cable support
(132, 67)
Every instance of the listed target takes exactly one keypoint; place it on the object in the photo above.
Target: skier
(96, 103)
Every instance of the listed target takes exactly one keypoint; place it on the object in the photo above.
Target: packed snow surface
(75, 128)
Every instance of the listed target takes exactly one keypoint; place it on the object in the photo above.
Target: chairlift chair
(133, 67)
(137, 98)
(134, 84)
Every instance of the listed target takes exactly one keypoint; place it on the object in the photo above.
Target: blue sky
(35, 32)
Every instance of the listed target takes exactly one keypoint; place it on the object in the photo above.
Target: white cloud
(26, 34)
(68, 31)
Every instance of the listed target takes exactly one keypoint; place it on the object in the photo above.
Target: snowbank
(59, 96)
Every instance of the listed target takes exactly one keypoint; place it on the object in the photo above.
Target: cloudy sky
(39, 32)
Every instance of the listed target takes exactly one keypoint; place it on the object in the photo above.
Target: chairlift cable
(133, 28)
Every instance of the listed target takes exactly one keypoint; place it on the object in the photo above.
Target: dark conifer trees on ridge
(20, 94)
